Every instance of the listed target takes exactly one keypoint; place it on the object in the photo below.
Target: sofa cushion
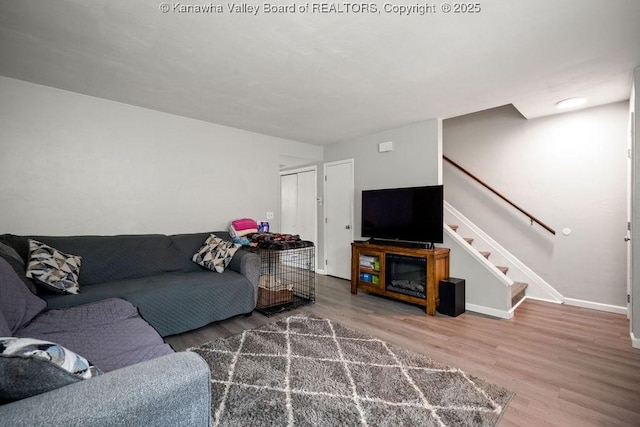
(106, 258)
(186, 245)
(172, 302)
(17, 263)
(18, 305)
(109, 258)
(110, 333)
(5, 331)
(7, 251)
(30, 366)
(52, 268)
(215, 254)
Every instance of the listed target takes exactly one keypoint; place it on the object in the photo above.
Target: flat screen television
(396, 215)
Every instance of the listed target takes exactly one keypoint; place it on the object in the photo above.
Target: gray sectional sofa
(172, 390)
(133, 290)
(155, 273)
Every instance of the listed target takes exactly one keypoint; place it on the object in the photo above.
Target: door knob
(348, 227)
(627, 238)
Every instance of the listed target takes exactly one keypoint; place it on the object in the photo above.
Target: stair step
(469, 240)
(485, 254)
(453, 227)
(517, 292)
(503, 269)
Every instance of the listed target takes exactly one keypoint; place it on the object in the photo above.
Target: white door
(338, 212)
(307, 206)
(298, 204)
(288, 203)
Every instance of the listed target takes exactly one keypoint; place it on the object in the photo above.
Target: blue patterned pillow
(55, 270)
(29, 366)
(215, 254)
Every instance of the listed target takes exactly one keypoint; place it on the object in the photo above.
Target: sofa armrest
(248, 264)
(169, 390)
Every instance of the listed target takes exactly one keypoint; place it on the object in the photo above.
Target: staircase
(499, 282)
(518, 289)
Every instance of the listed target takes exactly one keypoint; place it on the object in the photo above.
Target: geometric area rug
(307, 371)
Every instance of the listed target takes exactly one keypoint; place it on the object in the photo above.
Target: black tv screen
(412, 214)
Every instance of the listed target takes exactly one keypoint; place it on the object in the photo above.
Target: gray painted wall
(415, 160)
(75, 164)
(569, 170)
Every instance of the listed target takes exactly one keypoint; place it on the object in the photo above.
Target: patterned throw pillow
(53, 269)
(215, 254)
(31, 366)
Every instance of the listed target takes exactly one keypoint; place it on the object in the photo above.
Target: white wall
(568, 170)
(415, 160)
(75, 164)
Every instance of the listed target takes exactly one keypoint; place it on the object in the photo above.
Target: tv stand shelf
(372, 276)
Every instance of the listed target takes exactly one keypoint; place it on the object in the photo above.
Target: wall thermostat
(385, 146)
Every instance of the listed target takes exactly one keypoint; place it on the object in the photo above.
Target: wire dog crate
(287, 279)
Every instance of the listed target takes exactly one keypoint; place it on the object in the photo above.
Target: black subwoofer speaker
(451, 296)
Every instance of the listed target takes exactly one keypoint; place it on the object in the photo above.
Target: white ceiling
(325, 77)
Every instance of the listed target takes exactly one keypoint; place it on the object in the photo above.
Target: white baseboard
(322, 272)
(545, 300)
(517, 305)
(596, 306)
(635, 342)
(502, 314)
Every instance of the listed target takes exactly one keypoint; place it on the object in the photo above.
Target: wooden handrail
(488, 187)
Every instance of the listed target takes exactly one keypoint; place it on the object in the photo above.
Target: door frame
(634, 212)
(630, 200)
(314, 169)
(325, 233)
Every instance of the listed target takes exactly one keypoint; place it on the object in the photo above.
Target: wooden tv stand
(374, 277)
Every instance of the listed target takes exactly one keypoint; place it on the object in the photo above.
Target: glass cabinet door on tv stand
(407, 274)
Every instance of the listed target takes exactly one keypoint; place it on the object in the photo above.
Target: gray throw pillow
(17, 263)
(18, 305)
(30, 366)
(5, 331)
(8, 251)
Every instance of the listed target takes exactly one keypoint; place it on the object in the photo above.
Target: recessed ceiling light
(571, 103)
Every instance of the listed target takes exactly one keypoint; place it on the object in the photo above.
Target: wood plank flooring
(568, 366)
